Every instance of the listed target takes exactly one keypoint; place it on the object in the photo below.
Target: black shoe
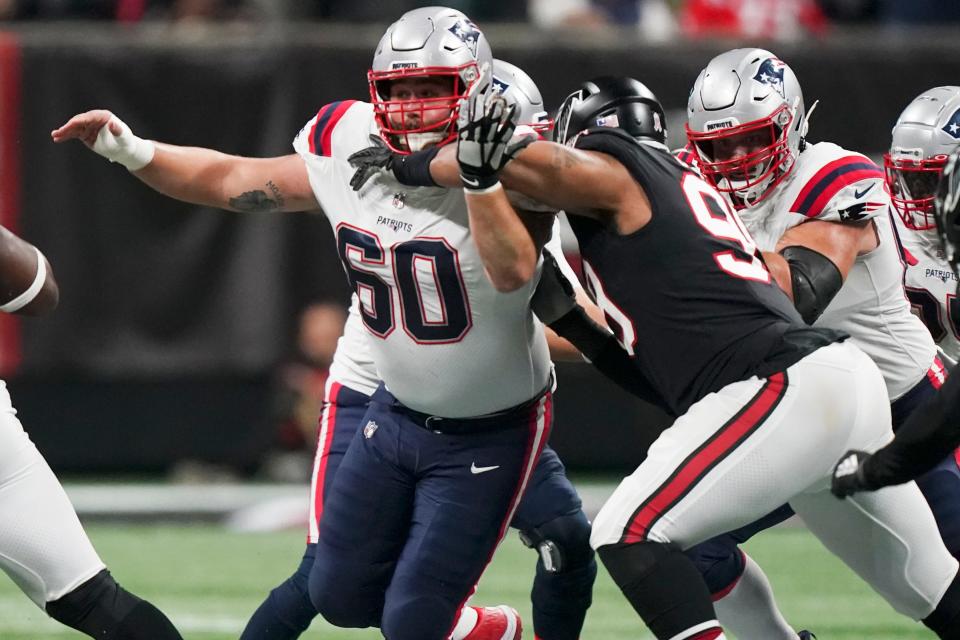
(806, 635)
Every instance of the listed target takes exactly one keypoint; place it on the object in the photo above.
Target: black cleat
(806, 635)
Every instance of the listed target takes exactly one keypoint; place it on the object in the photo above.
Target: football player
(694, 303)
(823, 214)
(43, 547)
(932, 432)
(926, 132)
(429, 484)
(549, 517)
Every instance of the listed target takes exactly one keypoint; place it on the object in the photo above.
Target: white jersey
(442, 339)
(352, 362)
(931, 287)
(833, 184)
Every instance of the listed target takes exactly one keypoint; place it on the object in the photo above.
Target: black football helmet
(947, 208)
(612, 101)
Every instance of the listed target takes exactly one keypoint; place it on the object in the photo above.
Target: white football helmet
(431, 42)
(746, 120)
(518, 88)
(925, 134)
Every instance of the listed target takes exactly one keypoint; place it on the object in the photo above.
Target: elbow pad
(815, 280)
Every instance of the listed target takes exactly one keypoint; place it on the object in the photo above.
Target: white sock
(465, 623)
(749, 611)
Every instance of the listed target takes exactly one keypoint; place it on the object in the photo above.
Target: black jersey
(688, 295)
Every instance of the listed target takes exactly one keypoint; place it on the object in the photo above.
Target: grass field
(209, 580)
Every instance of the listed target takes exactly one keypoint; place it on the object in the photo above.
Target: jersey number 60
(420, 266)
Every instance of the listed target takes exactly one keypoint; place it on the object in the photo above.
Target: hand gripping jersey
(687, 295)
(830, 183)
(443, 340)
(931, 286)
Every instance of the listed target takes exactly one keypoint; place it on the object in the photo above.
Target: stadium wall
(173, 316)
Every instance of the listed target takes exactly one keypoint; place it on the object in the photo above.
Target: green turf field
(209, 581)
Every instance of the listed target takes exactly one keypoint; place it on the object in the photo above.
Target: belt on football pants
(489, 422)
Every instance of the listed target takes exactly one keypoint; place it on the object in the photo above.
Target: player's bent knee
(343, 605)
(719, 561)
(418, 618)
(563, 543)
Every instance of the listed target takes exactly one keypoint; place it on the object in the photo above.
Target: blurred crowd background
(692, 18)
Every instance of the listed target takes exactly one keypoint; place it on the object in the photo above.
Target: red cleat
(496, 623)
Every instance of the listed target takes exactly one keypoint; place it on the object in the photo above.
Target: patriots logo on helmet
(468, 33)
(771, 73)
(953, 126)
(499, 86)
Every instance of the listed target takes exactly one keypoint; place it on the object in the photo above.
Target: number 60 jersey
(444, 341)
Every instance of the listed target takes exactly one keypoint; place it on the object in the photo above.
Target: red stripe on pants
(699, 463)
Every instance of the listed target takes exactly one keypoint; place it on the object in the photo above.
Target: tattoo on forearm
(275, 190)
(563, 158)
(253, 202)
(258, 201)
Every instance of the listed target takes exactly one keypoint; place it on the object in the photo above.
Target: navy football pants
(550, 508)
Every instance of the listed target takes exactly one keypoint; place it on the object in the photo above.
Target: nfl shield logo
(370, 429)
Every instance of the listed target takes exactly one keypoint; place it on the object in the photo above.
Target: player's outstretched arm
(27, 285)
(193, 174)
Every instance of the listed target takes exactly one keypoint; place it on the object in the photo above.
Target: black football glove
(412, 170)
(849, 476)
(485, 127)
(554, 296)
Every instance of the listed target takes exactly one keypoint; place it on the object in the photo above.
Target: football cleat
(496, 623)
(806, 635)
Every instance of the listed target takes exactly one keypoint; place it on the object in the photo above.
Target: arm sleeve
(603, 351)
(928, 436)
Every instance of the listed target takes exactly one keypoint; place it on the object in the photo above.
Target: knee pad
(563, 543)
(99, 601)
(719, 561)
(661, 584)
(103, 609)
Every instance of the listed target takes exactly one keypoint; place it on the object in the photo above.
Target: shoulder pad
(317, 136)
(846, 187)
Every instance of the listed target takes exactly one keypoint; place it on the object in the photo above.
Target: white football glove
(485, 128)
(124, 148)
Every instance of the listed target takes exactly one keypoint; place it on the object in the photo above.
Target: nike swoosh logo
(472, 183)
(474, 469)
(860, 194)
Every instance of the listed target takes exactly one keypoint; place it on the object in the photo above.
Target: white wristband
(131, 151)
(476, 192)
(27, 296)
